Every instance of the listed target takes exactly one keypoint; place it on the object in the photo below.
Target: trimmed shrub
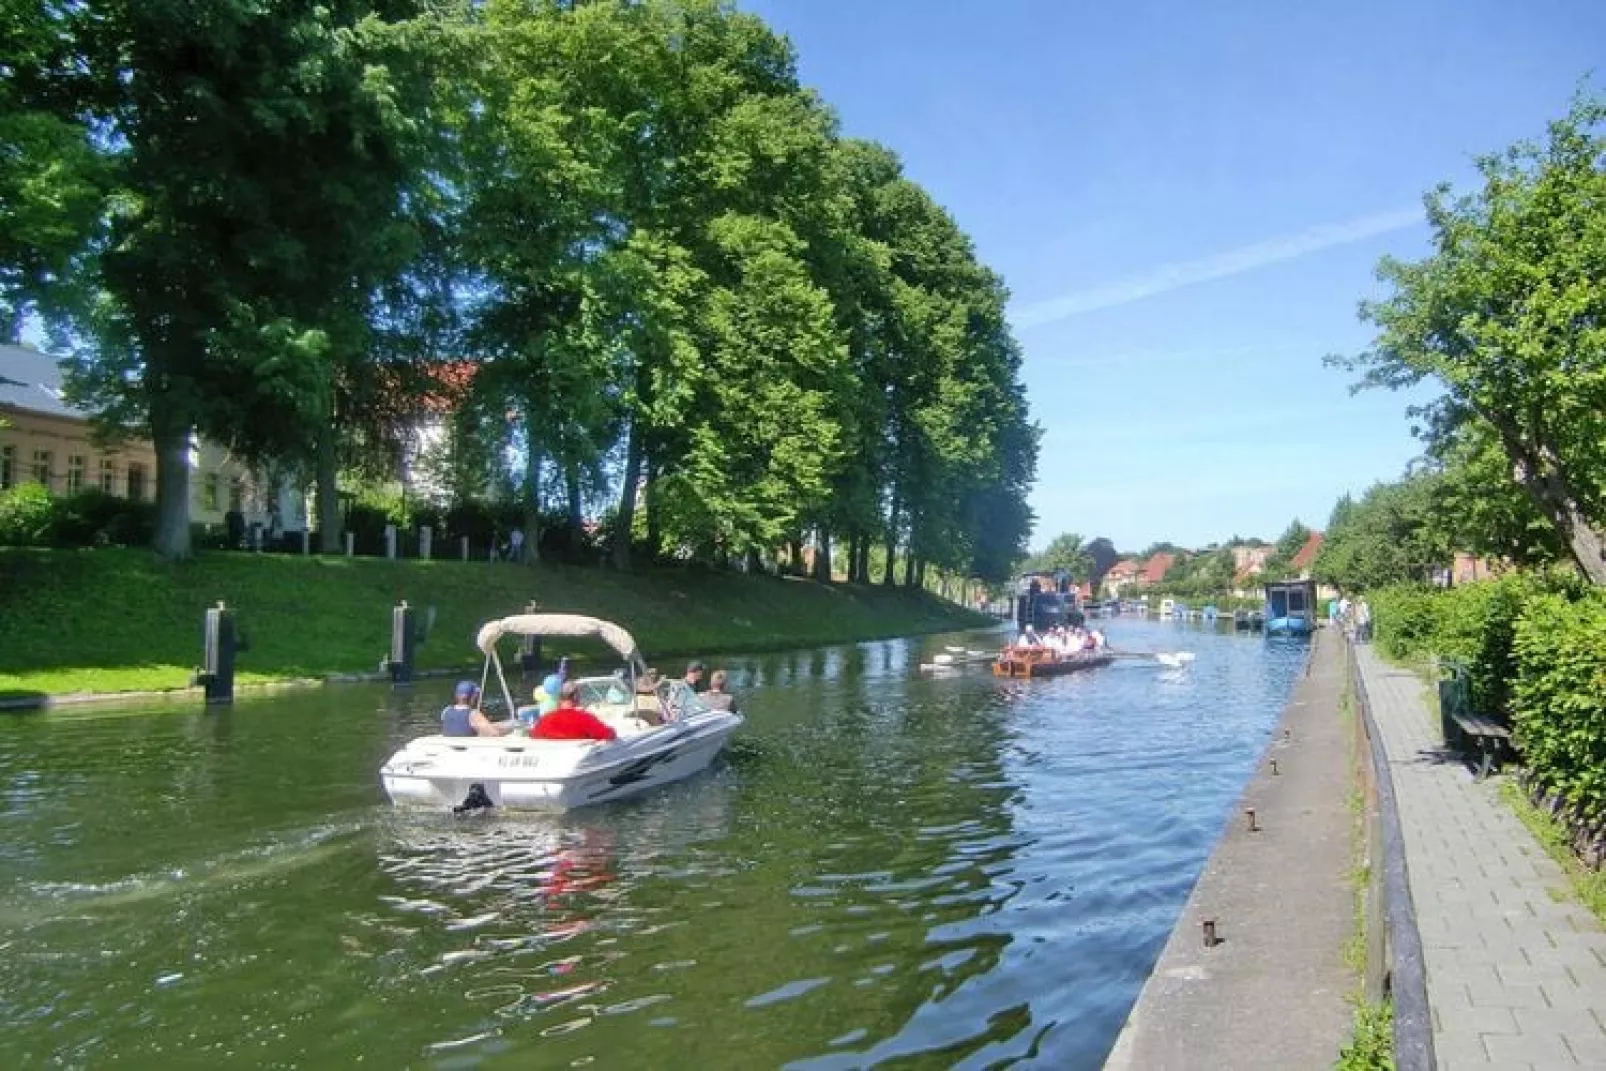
(26, 513)
(1558, 699)
(94, 518)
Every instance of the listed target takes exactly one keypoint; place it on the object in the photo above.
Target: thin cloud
(1233, 262)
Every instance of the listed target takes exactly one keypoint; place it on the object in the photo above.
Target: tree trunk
(755, 562)
(864, 558)
(326, 493)
(909, 569)
(887, 577)
(853, 557)
(655, 521)
(171, 438)
(626, 520)
(822, 558)
(1540, 473)
(571, 479)
(532, 502)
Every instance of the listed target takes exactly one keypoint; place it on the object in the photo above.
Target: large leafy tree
(251, 177)
(1065, 553)
(1508, 314)
(1393, 534)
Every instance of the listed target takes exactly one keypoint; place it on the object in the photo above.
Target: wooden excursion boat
(1043, 662)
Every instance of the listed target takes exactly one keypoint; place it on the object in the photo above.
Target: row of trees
(1508, 316)
(671, 274)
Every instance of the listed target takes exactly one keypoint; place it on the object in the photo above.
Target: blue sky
(1187, 200)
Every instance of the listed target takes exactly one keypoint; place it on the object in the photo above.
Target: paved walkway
(1516, 969)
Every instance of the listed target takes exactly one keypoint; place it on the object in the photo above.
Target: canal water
(887, 868)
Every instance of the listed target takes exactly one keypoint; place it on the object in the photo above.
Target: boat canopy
(562, 625)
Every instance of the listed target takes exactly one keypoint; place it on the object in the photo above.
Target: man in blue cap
(465, 718)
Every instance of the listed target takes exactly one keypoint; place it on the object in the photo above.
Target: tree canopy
(1508, 315)
(678, 287)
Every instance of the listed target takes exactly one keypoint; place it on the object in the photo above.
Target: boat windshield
(679, 700)
(606, 695)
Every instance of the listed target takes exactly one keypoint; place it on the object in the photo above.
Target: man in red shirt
(569, 721)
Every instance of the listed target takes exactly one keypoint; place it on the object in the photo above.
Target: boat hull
(520, 774)
(1014, 666)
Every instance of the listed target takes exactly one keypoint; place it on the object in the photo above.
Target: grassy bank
(111, 620)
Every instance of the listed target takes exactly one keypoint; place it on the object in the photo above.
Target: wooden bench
(1466, 730)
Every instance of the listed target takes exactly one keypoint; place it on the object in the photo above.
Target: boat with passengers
(665, 733)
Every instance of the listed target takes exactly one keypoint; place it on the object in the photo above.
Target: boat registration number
(525, 761)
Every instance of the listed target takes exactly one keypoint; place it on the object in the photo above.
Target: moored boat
(665, 734)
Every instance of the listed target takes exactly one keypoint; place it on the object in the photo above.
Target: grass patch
(1371, 1048)
(111, 620)
(1371, 1044)
(1588, 885)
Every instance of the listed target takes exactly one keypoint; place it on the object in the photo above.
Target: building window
(136, 482)
(77, 464)
(237, 495)
(209, 493)
(108, 475)
(42, 461)
(8, 467)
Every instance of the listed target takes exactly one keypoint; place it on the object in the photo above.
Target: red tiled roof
(1307, 553)
(1155, 568)
(1126, 567)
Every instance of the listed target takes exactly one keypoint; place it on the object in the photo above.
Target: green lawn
(111, 620)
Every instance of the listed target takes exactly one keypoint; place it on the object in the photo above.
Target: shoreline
(1279, 899)
(250, 689)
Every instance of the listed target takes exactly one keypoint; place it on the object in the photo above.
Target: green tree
(1394, 534)
(252, 176)
(1280, 562)
(1065, 553)
(1506, 316)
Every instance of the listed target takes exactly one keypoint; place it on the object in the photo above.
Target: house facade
(47, 441)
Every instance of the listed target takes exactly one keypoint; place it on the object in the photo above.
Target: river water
(887, 868)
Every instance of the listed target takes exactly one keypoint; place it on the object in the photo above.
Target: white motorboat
(665, 734)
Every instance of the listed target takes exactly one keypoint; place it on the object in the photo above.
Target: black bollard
(403, 640)
(218, 650)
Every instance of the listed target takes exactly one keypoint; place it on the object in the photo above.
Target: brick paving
(1516, 969)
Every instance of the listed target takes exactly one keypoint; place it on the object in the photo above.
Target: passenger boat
(1046, 662)
(665, 734)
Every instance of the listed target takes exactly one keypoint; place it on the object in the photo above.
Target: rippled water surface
(886, 868)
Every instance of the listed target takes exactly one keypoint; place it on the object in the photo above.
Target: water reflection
(885, 867)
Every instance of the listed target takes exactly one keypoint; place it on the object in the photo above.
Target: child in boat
(717, 697)
(570, 722)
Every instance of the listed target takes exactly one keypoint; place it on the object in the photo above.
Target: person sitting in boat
(570, 721)
(465, 718)
(1098, 639)
(1029, 638)
(694, 677)
(1090, 641)
(717, 697)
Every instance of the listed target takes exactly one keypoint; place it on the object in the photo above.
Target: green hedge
(1535, 649)
(1558, 698)
(31, 517)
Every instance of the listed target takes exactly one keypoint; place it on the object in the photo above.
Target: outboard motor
(476, 802)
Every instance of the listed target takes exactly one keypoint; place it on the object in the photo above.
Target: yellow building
(47, 441)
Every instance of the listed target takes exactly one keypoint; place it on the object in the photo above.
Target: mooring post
(1210, 938)
(217, 655)
(530, 648)
(462, 547)
(1249, 812)
(306, 541)
(351, 544)
(403, 640)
